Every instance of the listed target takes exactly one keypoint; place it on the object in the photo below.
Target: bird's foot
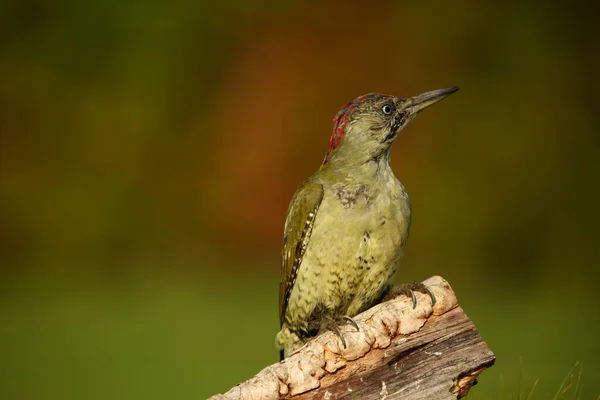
(335, 323)
(409, 289)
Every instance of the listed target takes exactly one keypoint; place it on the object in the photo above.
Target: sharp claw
(351, 322)
(430, 295)
(414, 299)
(408, 290)
(337, 332)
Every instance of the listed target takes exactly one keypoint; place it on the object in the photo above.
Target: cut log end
(399, 352)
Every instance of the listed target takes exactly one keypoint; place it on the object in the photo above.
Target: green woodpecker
(347, 225)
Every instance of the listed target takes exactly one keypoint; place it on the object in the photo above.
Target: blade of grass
(564, 387)
(535, 383)
(577, 394)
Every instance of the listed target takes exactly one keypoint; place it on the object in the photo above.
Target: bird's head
(365, 128)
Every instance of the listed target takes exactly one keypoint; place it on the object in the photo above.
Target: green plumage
(298, 228)
(347, 225)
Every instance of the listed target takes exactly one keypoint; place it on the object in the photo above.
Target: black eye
(387, 109)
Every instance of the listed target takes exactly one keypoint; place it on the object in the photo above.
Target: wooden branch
(399, 352)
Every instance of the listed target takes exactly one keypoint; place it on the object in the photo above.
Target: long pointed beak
(424, 100)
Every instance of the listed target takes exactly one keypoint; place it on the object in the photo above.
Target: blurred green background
(149, 150)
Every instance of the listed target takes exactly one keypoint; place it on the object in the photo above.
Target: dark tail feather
(281, 355)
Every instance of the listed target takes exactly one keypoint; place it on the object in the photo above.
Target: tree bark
(398, 353)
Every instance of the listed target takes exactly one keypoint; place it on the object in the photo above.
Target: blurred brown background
(149, 150)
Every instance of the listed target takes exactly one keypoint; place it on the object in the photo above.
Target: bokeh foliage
(148, 152)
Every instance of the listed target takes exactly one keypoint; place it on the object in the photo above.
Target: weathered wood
(399, 353)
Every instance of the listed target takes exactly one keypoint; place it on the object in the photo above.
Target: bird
(347, 225)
